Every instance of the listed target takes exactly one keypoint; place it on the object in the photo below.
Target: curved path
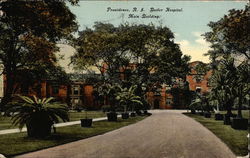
(165, 134)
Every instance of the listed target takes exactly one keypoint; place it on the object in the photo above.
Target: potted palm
(109, 91)
(206, 106)
(86, 122)
(195, 105)
(242, 93)
(217, 114)
(37, 114)
(215, 99)
(192, 108)
(126, 97)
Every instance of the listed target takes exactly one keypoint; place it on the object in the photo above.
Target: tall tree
(230, 34)
(29, 32)
(101, 48)
(148, 54)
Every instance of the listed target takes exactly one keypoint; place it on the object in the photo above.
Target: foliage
(28, 43)
(142, 54)
(29, 110)
(108, 92)
(201, 102)
(229, 38)
(127, 98)
(229, 35)
(96, 47)
(201, 70)
(196, 104)
(230, 82)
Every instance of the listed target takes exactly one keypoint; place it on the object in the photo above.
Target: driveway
(165, 134)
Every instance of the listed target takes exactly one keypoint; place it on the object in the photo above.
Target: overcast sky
(188, 22)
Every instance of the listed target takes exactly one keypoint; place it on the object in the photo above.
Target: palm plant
(127, 97)
(37, 114)
(242, 85)
(221, 82)
(196, 104)
(214, 100)
(109, 92)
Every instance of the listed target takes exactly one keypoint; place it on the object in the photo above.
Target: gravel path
(165, 134)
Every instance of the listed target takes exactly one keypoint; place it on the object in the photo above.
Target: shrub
(37, 114)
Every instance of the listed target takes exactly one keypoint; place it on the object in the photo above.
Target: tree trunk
(239, 107)
(229, 108)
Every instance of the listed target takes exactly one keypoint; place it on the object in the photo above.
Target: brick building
(198, 82)
(163, 99)
(81, 92)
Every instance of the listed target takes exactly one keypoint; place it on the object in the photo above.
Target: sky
(186, 19)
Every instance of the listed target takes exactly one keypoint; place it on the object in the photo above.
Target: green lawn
(13, 144)
(245, 113)
(236, 140)
(6, 123)
(76, 116)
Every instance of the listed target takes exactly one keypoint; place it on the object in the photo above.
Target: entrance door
(156, 104)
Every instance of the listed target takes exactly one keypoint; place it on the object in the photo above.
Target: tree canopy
(230, 41)
(29, 32)
(230, 34)
(144, 53)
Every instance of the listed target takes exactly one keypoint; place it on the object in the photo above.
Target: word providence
(109, 9)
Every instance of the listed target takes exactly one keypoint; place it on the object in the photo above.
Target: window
(198, 89)
(76, 90)
(75, 101)
(169, 101)
(157, 92)
(197, 78)
(55, 89)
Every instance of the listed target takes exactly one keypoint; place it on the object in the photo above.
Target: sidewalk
(16, 130)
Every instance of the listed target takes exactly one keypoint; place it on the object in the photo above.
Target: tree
(221, 81)
(230, 82)
(229, 37)
(201, 70)
(29, 32)
(146, 54)
(109, 92)
(99, 47)
(156, 56)
(240, 82)
(230, 34)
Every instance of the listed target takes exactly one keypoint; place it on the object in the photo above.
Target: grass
(6, 123)
(76, 116)
(236, 140)
(14, 144)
